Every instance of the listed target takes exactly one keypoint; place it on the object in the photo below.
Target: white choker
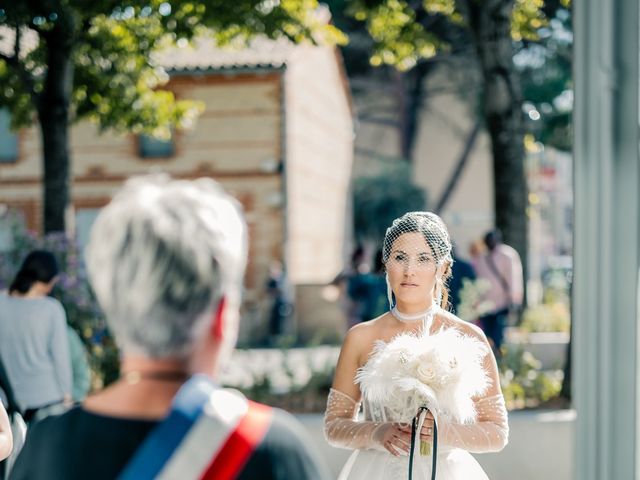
(403, 317)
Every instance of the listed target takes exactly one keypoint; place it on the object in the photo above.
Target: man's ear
(217, 323)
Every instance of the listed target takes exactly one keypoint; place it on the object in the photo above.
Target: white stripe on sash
(219, 419)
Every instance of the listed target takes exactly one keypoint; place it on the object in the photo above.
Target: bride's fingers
(404, 431)
(391, 448)
(427, 433)
(403, 442)
(427, 425)
(403, 427)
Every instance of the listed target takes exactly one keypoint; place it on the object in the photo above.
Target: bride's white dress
(372, 464)
(371, 461)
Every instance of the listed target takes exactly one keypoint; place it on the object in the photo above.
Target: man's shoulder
(56, 423)
(508, 251)
(45, 436)
(285, 452)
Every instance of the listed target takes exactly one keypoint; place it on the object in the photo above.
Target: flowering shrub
(524, 383)
(472, 304)
(299, 379)
(72, 290)
(547, 317)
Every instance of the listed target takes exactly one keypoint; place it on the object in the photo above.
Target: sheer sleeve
(341, 427)
(490, 432)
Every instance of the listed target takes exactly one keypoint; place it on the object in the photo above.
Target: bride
(417, 257)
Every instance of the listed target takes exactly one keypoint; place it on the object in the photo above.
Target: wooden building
(277, 133)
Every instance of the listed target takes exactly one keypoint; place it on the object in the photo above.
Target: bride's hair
(437, 237)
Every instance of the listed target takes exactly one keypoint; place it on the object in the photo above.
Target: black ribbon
(434, 453)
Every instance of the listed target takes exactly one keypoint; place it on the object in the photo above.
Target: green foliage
(399, 39)
(527, 18)
(553, 317)
(72, 290)
(545, 69)
(379, 199)
(402, 34)
(116, 81)
(524, 384)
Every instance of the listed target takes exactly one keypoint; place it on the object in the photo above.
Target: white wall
(318, 159)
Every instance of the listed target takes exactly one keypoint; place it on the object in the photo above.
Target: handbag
(514, 310)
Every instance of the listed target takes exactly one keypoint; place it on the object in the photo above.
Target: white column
(606, 239)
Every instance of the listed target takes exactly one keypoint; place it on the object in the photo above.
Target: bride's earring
(437, 296)
(389, 292)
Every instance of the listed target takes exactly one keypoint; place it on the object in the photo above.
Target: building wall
(445, 123)
(237, 141)
(241, 140)
(319, 158)
(445, 119)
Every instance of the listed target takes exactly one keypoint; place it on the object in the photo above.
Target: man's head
(161, 257)
(493, 238)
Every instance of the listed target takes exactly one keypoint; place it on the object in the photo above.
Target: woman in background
(34, 346)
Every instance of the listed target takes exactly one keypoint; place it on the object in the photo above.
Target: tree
(490, 24)
(402, 37)
(79, 59)
(407, 86)
(545, 67)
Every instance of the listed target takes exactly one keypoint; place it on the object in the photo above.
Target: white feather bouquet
(442, 372)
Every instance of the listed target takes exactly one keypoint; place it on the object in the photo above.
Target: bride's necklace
(412, 317)
(426, 316)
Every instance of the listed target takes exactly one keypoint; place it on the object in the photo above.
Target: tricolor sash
(210, 433)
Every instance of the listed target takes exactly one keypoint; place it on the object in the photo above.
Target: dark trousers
(493, 326)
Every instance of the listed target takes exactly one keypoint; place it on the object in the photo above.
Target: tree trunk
(565, 391)
(53, 112)
(410, 92)
(458, 169)
(490, 24)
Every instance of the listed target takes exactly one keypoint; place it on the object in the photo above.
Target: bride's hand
(426, 434)
(394, 438)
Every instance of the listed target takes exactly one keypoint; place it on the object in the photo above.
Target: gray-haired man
(166, 260)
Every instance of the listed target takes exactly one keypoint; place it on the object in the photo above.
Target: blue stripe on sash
(160, 444)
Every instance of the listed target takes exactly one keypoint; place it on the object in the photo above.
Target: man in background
(501, 267)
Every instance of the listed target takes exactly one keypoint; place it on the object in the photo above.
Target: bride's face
(411, 268)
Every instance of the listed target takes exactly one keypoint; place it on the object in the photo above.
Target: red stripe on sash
(241, 444)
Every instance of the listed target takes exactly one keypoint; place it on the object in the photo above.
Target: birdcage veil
(432, 230)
